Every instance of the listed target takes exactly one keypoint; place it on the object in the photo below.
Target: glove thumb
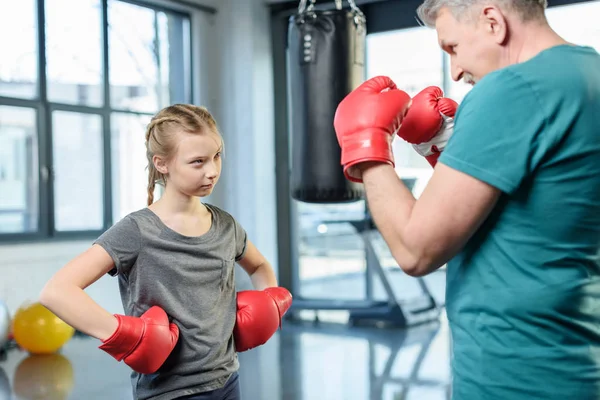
(447, 106)
(282, 298)
(398, 102)
(377, 84)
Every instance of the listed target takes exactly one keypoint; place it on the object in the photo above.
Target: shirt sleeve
(497, 132)
(122, 242)
(241, 240)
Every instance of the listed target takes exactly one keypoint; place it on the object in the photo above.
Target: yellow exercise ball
(39, 331)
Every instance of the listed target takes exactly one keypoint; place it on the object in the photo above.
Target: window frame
(44, 109)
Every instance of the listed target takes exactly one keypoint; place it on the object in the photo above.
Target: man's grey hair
(528, 9)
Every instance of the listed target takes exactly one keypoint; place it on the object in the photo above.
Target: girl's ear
(160, 165)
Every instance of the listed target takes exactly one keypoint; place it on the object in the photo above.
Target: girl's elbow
(49, 295)
(45, 297)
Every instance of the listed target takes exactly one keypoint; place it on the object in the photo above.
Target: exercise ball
(46, 376)
(39, 331)
(4, 324)
(5, 391)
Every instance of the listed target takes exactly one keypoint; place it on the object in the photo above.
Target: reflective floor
(303, 361)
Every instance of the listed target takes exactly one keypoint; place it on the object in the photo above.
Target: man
(513, 205)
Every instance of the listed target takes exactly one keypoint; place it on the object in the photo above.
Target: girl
(175, 264)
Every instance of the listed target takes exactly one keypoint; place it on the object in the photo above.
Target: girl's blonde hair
(161, 131)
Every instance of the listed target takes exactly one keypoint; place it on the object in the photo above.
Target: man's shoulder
(501, 82)
(494, 94)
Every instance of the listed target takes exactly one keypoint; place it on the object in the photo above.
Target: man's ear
(495, 23)
(160, 164)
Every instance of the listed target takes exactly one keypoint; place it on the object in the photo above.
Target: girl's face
(195, 167)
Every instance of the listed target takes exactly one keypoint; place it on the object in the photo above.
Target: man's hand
(365, 123)
(429, 123)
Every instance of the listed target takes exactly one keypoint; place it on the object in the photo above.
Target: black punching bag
(326, 61)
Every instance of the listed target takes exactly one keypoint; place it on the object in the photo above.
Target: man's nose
(457, 72)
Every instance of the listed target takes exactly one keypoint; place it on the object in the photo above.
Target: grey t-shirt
(192, 279)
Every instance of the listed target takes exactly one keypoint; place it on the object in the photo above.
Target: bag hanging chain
(302, 7)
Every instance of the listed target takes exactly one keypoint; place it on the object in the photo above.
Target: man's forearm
(391, 203)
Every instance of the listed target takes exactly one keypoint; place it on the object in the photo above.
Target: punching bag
(326, 61)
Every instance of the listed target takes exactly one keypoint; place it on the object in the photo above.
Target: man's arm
(424, 234)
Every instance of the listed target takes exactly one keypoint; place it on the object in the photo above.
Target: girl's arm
(258, 268)
(64, 294)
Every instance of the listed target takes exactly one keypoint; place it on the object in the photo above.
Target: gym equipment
(326, 61)
(48, 376)
(37, 330)
(4, 324)
(391, 312)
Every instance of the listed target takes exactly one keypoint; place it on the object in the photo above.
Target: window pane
(18, 170)
(129, 165)
(74, 51)
(78, 171)
(332, 259)
(149, 59)
(174, 40)
(386, 55)
(577, 23)
(18, 47)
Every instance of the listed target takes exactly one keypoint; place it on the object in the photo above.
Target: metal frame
(44, 109)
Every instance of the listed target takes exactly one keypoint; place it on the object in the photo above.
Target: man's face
(471, 43)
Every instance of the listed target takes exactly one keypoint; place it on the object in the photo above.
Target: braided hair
(161, 131)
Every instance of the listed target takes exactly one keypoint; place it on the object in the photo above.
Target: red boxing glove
(365, 122)
(429, 123)
(145, 342)
(259, 314)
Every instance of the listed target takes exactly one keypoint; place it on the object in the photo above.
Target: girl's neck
(178, 204)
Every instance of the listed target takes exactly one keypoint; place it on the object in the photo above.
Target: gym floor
(304, 361)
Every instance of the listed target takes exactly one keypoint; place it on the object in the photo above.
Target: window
(18, 170)
(412, 74)
(577, 23)
(19, 66)
(77, 172)
(129, 163)
(154, 77)
(74, 52)
(72, 154)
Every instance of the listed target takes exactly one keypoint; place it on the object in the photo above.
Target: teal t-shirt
(523, 296)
